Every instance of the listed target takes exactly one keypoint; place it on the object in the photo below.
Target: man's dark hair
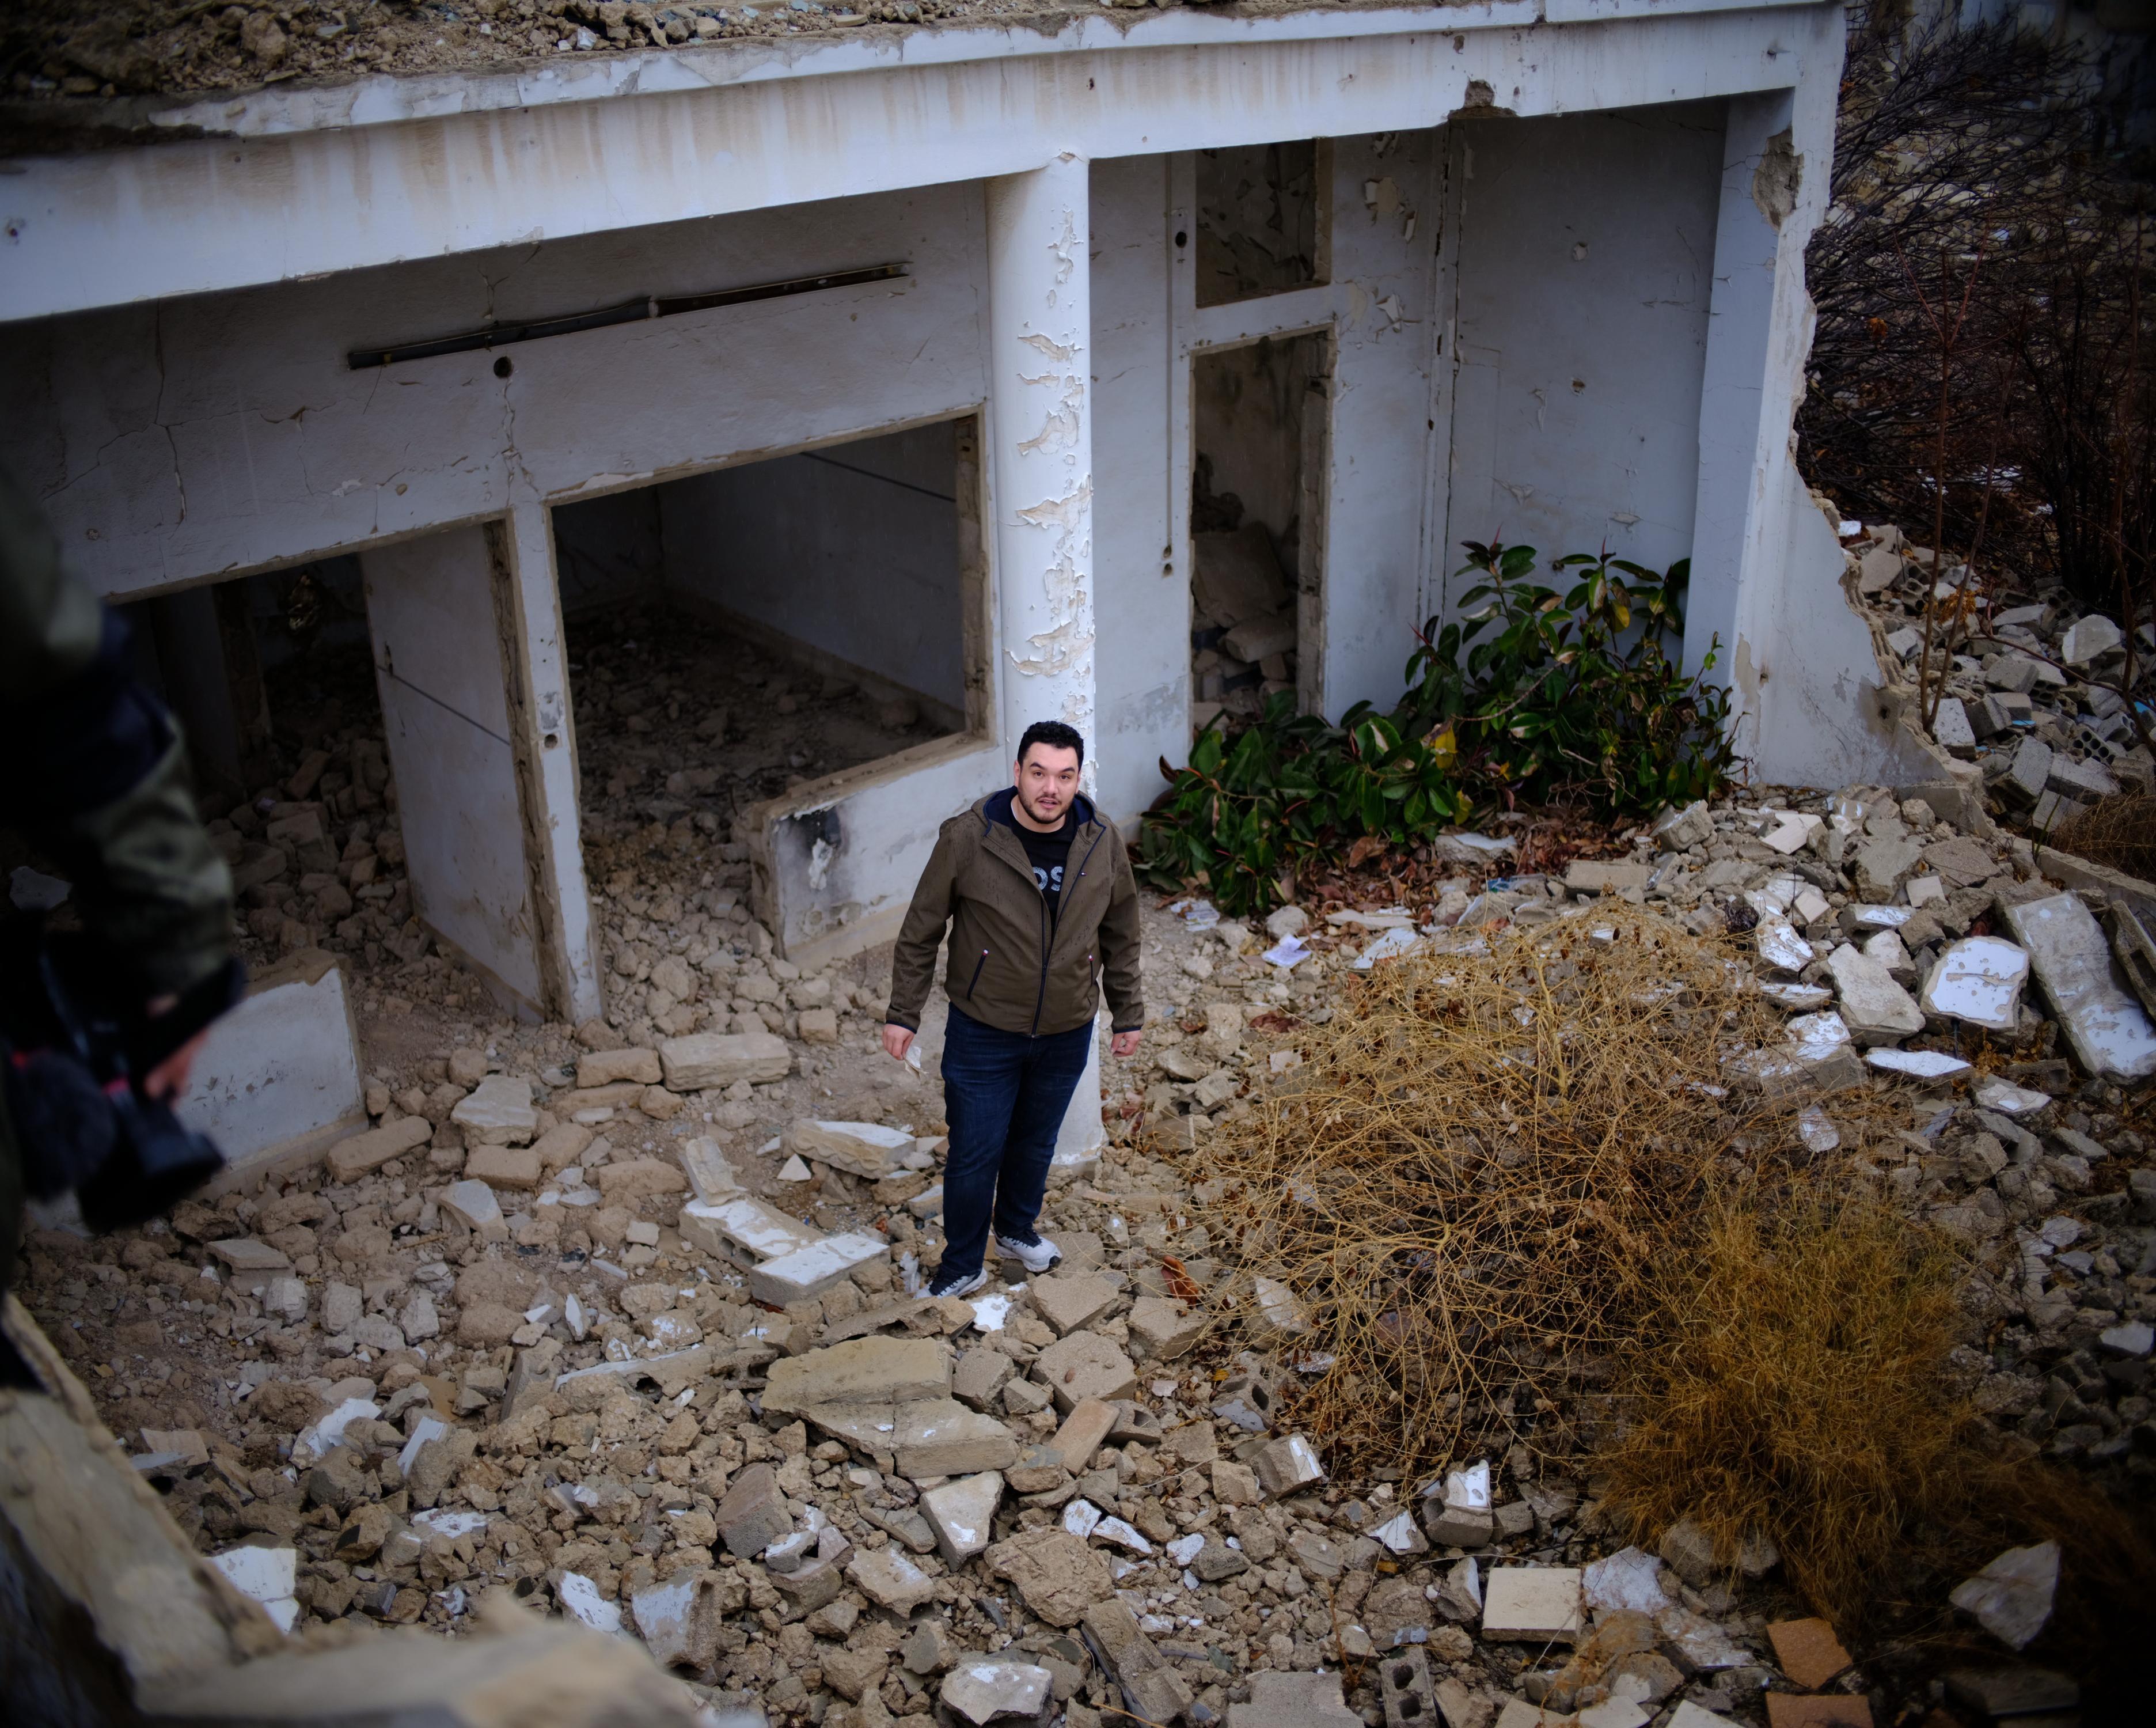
(1055, 735)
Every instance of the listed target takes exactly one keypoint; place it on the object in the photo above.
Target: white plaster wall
(1585, 265)
(210, 435)
(431, 605)
(889, 813)
(1141, 607)
(853, 549)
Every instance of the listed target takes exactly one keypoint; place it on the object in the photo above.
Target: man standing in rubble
(1036, 888)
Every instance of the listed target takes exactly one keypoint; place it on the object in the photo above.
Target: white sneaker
(957, 1287)
(1035, 1253)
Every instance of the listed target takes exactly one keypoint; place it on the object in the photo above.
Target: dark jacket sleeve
(96, 768)
(1119, 944)
(913, 960)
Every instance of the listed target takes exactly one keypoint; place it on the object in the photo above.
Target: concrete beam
(478, 163)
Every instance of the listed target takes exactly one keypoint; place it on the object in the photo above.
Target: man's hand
(168, 1080)
(1123, 1043)
(896, 1041)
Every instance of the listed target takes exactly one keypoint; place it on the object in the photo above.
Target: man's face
(1047, 782)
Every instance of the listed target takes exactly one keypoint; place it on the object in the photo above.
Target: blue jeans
(1004, 1095)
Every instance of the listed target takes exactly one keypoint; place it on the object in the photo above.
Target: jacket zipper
(1047, 937)
(978, 964)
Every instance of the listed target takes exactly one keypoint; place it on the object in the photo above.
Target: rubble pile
(623, 1323)
(2033, 692)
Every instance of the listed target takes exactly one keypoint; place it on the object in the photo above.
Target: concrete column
(1040, 440)
(542, 731)
(1040, 436)
(1775, 157)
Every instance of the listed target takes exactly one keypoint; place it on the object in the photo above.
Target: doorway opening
(1258, 417)
(740, 636)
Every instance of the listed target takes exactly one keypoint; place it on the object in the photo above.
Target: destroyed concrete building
(619, 499)
(1101, 367)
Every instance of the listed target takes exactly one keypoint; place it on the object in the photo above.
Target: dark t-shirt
(1048, 854)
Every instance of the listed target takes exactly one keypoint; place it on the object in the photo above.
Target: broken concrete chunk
(609, 1067)
(1056, 1574)
(745, 1230)
(1287, 1466)
(1161, 1329)
(1882, 863)
(2030, 773)
(1276, 1318)
(2012, 1597)
(1090, 1422)
(2089, 640)
(1531, 1604)
(980, 1689)
(1678, 831)
(679, 1620)
(862, 1148)
(860, 1371)
(2109, 1031)
(243, 1254)
(1875, 1008)
(753, 1515)
(963, 1514)
(1978, 980)
(473, 1203)
(1071, 1302)
(2008, 1694)
(1808, 1652)
(941, 1437)
(810, 1271)
(890, 1579)
(1247, 1403)
(1084, 1366)
(1780, 946)
(498, 1113)
(1153, 1690)
(707, 1059)
(349, 1159)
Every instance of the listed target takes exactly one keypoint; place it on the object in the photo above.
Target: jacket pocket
(972, 983)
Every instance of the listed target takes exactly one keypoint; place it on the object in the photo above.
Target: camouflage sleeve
(96, 768)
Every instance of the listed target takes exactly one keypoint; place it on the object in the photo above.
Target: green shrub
(1532, 695)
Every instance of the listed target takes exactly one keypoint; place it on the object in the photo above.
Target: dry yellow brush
(1516, 1192)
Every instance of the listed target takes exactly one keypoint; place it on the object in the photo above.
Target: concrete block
(1153, 1690)
(606, 1067)
(678, 1621)
(1604, 876)
(1056, 1574)
(746, 1231)
(1280, 1699)
(861, 1371)
(2109, 1029)
(1072, 1303)
(1084, 1366)
(1531, 1604)
(979, 1377)
(1405, 1689)
(962, 1513)
(1952, 728)
(1090, 1422)
(517, 1168)
(861, 1148)
(278, 1078)
(1247, 1403)
(707, 1059)
(812, 1270)
(2030, 771)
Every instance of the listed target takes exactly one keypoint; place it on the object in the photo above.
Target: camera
(70, 1062)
